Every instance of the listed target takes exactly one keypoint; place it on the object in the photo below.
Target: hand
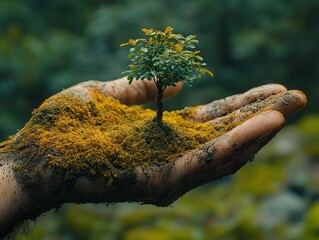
(30, 187)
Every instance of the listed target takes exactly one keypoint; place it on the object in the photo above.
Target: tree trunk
(159, 104)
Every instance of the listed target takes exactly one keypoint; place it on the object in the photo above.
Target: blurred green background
(46, 46)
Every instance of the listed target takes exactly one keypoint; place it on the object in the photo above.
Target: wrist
(14, 203)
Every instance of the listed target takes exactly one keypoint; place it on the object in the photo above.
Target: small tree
(165, 58)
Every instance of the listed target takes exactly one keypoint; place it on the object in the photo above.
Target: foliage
(165, 58)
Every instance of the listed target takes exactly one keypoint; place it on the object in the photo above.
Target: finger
(225, 106)
(215, 159)
(137, 91)
(244, 139)
(287, 103)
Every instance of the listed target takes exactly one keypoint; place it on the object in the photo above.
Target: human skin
(261, 112)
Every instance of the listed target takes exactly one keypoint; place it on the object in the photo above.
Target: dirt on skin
(99, 136)
(104, 137)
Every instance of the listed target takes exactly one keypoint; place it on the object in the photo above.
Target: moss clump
(100, 136)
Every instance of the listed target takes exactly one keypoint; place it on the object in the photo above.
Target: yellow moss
(104, 137)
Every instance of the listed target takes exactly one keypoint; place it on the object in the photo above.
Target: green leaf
(147, 31)
(209, 72)
(143, 49)
(178, 47)
(199, 58)
(168, 30)
(124, 44)
(130, 78)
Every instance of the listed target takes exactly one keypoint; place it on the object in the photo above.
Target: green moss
(103, 137)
